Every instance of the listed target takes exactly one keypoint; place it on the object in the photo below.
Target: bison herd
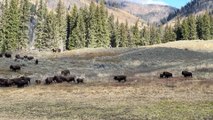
(65, 75)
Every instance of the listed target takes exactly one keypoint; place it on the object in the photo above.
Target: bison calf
(80, 80)
(120, 78)
(186, 74)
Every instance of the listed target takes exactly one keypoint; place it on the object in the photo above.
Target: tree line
(90, 26)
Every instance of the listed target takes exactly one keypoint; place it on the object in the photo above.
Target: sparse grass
(109, 100)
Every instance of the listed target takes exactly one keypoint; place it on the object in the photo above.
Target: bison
(36, 61)
(167, 74)
(120, 78)
(4, 82)
(58, 79)
(30, 57)
(17, 56)
(48, 80)
(186, 74)
(65, 72)
(80, 80)
(7, 55)
(21, 83)
(15, 67)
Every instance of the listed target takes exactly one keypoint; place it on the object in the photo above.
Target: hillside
(118, 13)
(152, 13)
(195, 7)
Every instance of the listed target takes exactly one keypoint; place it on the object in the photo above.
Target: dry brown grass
(143, 99)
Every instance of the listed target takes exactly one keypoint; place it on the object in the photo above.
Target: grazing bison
(26, 79)
(48, 80)
(21, 83)
(120, 78)
(65, 72)
(38, 82)
(80, 80)
(167, 74)
(36, 61)
(186, 74)
(30, 57)
(4, 82)
(70, 78)
(15, 67)
(7, 55)
(59, 79)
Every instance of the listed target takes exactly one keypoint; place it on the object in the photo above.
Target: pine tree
(112, 30)
(104, 25)
(145, 36)
(178, 29)
(136, 34)
(4, 8)
(12, 26)
(123, 36)
(199, 24)
(41, 27)
(73, 24)
(185, 30)
(169, 34)
(206, 27)
(61, 25)
(51, 39)
(24, 25)
(117, 33)
(78, 34)
(192, 27)
(211, 28)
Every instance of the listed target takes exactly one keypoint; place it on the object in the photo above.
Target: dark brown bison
(54, 50)
(48, 80)
(59, 50)
(65, 72)
(4, 82)
(38, 82)
(80, 80)
(21, 83)
(36, 61)
(26, 78)
(120, 78)
(17, 56)
(167, 74)
(30, 57)
(186, 74)
(7, 54)
(15, 67)
(59, 79)
(70, 78)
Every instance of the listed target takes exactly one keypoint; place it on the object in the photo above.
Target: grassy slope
(144, 96)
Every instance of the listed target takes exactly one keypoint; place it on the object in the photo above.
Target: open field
(143, 97)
